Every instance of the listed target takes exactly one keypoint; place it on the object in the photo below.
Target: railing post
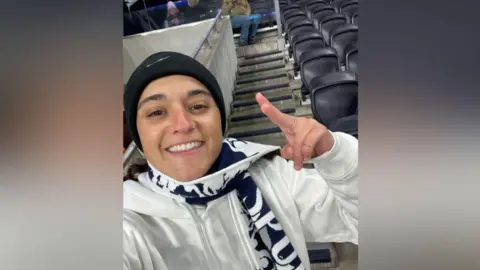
(281, 43)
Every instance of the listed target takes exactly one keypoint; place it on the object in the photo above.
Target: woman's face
(180, 128)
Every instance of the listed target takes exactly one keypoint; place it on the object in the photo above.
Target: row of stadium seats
(322, 37)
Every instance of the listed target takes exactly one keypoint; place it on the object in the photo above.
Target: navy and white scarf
(272, 244)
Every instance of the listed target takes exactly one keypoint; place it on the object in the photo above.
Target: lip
(183, 142)
(188, 152)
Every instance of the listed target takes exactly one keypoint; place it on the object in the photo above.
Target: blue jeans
(245, 22)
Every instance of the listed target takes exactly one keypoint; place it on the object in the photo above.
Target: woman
(205, 202)
(241, 17)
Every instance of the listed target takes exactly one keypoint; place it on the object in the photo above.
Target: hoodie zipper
(203, 235)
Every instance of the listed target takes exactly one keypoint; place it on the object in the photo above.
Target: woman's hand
(306, 138)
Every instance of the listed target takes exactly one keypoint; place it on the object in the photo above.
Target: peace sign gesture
(306, 138)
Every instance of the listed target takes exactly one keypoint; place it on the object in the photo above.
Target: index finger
(276, 116)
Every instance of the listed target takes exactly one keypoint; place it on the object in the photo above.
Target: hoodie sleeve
(326, 197)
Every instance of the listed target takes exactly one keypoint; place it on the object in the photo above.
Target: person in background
(148, 15)
(193, 11)
(239, 10)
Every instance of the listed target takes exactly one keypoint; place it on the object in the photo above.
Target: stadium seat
(301, 3)
(334, 96)
(330, 22)
(348, 7)
(293, 17)
(354, 18)
(317, 63)
(312, 5)
(299, 28)
(318, 13)
(346, 124)
(337, 3)
(305, 43)
(289, 9)
(342, 36)
(351, 58)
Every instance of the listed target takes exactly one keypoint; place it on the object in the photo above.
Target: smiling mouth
(184, 147)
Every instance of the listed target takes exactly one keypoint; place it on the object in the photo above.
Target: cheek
(150, 134)
(213, 124)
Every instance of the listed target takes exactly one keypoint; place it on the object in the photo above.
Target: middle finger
(302, 131)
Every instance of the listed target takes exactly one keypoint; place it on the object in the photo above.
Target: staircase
(262, 67)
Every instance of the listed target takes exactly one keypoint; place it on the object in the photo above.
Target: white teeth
(184, 147)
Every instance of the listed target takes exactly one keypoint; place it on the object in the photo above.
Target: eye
(198, 108)
(156, 113)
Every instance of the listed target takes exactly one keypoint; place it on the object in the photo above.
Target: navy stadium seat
(348, 7)
(337, 3)
(341, 37)
(306, 43)
(301, 3)
(289, 9)
(318, 13)
(354, 19)
(330, 22)
(294, 17)
(334, 96)
(312, 5)
(317, 63)
(351, 58)
(347, 124)
(299, 28)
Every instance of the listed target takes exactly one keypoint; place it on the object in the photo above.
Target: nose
(182, 122)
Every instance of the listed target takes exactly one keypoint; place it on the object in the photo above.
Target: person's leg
(243, 22)
(254, 22)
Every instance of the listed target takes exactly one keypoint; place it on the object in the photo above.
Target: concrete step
(267, 93)
(260, 39)
(272, 97)
(304, 111)
(277, 139)
(261, 34)
(257, 50)
(289, 103)
(264, 128)
(262, 59)
(260, 119)
(261, 67)
(260, 122)
(266, 75)
(262, 83)
(261, 88)
(255, 116)
(287, 69)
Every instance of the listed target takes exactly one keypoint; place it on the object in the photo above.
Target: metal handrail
(199, 47)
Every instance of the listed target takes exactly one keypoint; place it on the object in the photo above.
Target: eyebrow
(199, 92)
(151, 98)
(190, 93)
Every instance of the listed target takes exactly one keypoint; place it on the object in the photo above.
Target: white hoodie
(313, 205)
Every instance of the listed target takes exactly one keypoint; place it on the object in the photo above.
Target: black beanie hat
(163, 64)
